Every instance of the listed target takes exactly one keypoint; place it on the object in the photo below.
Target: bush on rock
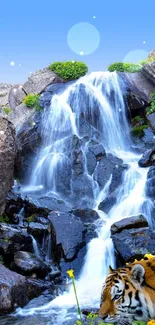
(124, 67)
(32, 101)
(69, 70)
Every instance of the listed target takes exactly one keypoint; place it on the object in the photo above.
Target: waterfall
(98, 99)
(36, 247)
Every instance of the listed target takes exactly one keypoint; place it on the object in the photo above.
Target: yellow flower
(71, 273)
(149, 256)
(151, 322)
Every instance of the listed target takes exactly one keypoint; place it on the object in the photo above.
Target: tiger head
(125, 296)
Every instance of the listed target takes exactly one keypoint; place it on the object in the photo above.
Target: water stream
(101, 93)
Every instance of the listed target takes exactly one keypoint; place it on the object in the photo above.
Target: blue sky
(34, 33)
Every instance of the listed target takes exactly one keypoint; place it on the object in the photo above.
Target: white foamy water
(100, 92)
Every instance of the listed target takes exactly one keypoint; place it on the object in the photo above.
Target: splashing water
(101, 93)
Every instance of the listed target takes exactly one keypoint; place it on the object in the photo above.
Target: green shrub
(142, 62)
(137, 119)
(69, 70)
(151, 109)
(124, 67)
(138, 131)
(4, 219)
(7, 110)
(32, 101)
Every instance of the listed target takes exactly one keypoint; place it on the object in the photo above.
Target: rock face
(13, 290)
(28, 264)
(4, 94)
(16, 96)
(148, 158)
(39, 80)
(7, 159)
(138, 91)
(13, 240)
(148, 71)
(151, 119)
(70, 241)
(133, 238)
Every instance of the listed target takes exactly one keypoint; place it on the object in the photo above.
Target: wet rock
(45, 99)
(13, 290)
(151, 119)
(110, 165)
(7, 159)
(148, 158)
(82, 192)
(91, 162)
(148, 71)
(39, 80)
(37, 286)
(135, 222)
(85, 129)
(28, 264)
(138, 91)
(86, 215)
(68, 235)
(37, 230)
(97, 149)
(13, 240)
(134, 243)
(107, 204)
(78, 162)
(150, 183)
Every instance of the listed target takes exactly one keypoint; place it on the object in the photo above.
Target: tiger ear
(138, 272)
(110, 270)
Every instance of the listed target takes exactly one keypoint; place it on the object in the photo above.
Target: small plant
(7, 110)
(4, 219)
(151, 109)
(69, 70)
(32, 100)
(139, 130)
(124, 67)
(31, 218)
(137, 119)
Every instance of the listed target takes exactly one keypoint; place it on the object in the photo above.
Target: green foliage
(137, 119)
(151, 109)
(7, 110)
(124, 67)
(139, 130)
(32, 100)
(69, 70)
(4, 219)
(31, 218)
(151, 59)
(142, 62)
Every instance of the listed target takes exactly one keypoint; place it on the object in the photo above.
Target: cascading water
(96, 98)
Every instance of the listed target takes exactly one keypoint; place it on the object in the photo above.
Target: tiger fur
(129, 293)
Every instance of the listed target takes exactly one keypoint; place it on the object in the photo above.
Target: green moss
(4, 219)
(31, 218)
(137, 119)
(32, 101)
(6, 240)
(7, 110)
(138, 131)
(124, 67)
(69, 70)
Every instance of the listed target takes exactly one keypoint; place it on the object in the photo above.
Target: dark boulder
(107, 204)
(110, 165)
(134, 243)
(68, 233)
(13, 240)
(13, 290)
(28, 264)
(136, 222)
(37, 286)
(37, 230)
(148, 158)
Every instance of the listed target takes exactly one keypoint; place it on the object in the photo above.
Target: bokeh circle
(135, 56)
(83, 38)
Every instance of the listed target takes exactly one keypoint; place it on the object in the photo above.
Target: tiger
(128, 293)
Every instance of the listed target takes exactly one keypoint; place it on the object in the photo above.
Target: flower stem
(79, 310)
